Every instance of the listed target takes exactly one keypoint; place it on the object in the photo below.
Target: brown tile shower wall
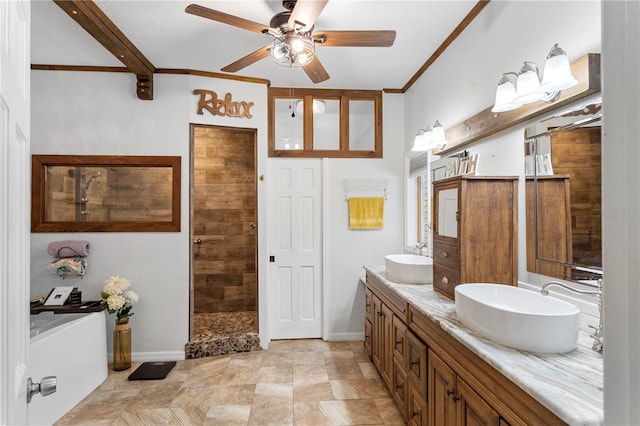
(224, 212)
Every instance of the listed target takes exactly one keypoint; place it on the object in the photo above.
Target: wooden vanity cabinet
(436, 380)
(475, 231)
(453, 402)
(368, 321)
(388, 330)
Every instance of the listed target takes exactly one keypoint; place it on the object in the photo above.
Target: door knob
(47, 386)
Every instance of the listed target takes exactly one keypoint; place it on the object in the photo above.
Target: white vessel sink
(409, 268)
(518, 318)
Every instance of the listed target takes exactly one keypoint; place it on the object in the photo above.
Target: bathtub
(72, 347)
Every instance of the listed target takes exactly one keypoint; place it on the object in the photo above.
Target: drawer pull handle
(412, 363)
(380, 314)
(449, 392)
(444, 255)
(445, 280)
(398, 342)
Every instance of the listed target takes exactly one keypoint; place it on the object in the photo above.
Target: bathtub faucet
(598, 333)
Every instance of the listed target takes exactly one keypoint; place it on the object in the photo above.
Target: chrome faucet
(418, 247)
(598, 334)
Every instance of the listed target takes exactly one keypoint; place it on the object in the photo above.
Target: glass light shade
(418, 144)
(528, 84)
(297, 45)
(294, 50)
(437, 136)
(557, 72)
(318, 107)
(505, 93)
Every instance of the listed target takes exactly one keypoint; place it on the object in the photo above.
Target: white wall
(349, 250)
(621, 199)
(81, 113)
(98, 113)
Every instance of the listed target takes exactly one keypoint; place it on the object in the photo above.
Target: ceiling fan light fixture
(293, 50)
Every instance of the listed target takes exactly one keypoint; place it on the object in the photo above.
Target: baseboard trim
(338, 337)
(154, 356)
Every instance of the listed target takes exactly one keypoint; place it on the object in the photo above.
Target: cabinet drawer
(446, 255)
(445, 279)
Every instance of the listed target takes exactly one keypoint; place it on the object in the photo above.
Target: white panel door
(295, 234)
(14, 208)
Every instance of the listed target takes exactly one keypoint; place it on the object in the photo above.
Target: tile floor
(301, 382)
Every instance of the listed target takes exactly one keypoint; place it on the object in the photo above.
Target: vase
(122, 345)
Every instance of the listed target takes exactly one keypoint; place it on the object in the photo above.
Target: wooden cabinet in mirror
(563, 196)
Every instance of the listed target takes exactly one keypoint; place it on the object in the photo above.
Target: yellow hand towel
(366, 213)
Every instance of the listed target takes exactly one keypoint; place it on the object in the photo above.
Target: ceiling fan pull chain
(293, 111)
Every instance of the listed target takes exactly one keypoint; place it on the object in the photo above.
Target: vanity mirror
(98, 193)
(563, 194)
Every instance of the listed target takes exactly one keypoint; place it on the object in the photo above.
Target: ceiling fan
(293, 38)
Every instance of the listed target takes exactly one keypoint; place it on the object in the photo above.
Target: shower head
(93, 176)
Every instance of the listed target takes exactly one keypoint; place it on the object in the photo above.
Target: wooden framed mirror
(563, 194)
(105, 193)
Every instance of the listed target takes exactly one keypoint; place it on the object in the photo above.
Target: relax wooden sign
(223, 107)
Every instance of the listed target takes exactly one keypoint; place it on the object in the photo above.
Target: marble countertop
(570, 385)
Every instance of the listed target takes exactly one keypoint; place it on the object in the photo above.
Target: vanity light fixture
(527, 89)
(430, 138)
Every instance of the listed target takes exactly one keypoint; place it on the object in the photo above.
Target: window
(325, 123)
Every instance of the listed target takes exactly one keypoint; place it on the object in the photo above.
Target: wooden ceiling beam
(90, 17)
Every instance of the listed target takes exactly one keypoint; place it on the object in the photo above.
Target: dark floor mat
(152, 370)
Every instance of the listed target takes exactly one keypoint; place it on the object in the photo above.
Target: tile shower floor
(301, 382)
(222, 333)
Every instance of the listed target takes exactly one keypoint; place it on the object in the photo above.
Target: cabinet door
(376, 338)
(472, 409)
(441, 392)
(416, 407)
(400, 387)
(417, 363)
(368, 330)
(399, 341)
(386, 345)
(368, 306)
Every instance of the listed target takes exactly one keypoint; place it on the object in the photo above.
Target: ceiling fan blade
(305, 13)
(316, 71)
(251, 58)
(225, 18)
(382, 38)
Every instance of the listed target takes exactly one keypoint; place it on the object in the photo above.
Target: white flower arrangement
(119, 299)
